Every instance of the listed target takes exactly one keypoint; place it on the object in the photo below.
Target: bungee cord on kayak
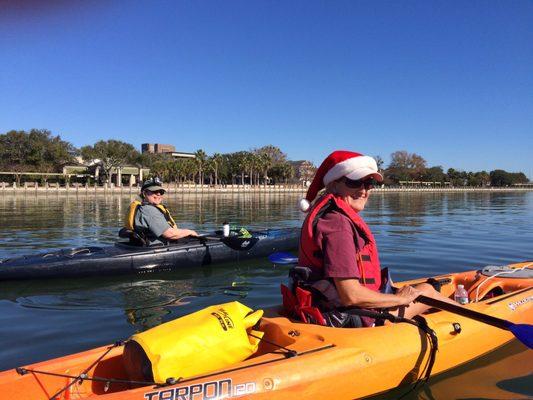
(498, 271)
(288, 352)
(423, 375)
(79, 378)
(82, 375)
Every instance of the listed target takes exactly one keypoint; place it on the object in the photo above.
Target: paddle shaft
(465, 312)
(206, 237)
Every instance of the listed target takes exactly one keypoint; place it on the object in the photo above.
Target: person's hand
(407, 294)
(192, 233)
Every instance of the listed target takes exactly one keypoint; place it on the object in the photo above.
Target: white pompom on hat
(338, 164)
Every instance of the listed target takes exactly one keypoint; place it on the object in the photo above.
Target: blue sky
(449, 80)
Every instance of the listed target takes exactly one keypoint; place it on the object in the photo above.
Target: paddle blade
(240, 243)
(524, 333)
(283, 258)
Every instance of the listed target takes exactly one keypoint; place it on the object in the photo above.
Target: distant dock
(79, 189)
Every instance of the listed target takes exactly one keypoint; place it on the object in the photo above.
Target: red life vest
(367, 257)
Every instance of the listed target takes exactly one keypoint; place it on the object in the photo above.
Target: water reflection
(145, 302)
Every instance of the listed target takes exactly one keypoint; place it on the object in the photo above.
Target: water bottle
(225, 229)
(461, 295)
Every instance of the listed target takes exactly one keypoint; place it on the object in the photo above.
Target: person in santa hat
(339, 248)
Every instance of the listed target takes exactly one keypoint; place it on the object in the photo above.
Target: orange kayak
(313, 360)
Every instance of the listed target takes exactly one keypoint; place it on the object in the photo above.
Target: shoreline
(229, 189)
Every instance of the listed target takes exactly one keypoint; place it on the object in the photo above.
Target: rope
(433, 341)
(498, 274)
(85, 377)
(80, 377)
(289, 353)
(421, 324)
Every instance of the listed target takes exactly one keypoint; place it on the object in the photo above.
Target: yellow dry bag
(198, 343)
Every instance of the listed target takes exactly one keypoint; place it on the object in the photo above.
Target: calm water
(418, 235)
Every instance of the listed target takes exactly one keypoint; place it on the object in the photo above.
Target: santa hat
(338, 164)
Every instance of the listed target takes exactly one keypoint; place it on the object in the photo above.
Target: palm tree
(176, 170)
(266, 164)
(254, 165)
(245, 162)
(210, 167)
(190, 169)
(201, 159)
(216, 160)
(160, 168)
(283, 171)
(287, 171)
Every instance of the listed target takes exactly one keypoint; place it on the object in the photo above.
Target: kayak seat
(307, 303)
(300, 306)
(134, 237)
(309, 298)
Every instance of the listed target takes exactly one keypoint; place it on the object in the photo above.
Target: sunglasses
(360, 183)
(159, 192)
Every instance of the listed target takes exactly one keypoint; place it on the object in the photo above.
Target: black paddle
(523, 332)
(233, 242)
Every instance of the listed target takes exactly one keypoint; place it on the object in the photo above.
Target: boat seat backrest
(300, 305)
(134, 237)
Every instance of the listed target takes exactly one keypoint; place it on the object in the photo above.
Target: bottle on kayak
(461, 295)
(225, 229)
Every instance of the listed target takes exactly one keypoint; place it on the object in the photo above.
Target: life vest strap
(129, 223)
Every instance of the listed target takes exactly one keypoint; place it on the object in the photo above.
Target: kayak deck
(356, 360)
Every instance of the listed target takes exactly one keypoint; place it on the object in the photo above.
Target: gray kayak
(125, 258)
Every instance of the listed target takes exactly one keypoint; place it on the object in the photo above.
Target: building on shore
(303, 171)
(127, 175)
(158, 148)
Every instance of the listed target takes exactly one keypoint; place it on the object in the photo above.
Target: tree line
(40, 151)
(34, 151)
(411, 167)
(264, 165)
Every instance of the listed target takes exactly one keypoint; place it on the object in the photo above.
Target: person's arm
(340, 263)
(352, 293)
(176, 233)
